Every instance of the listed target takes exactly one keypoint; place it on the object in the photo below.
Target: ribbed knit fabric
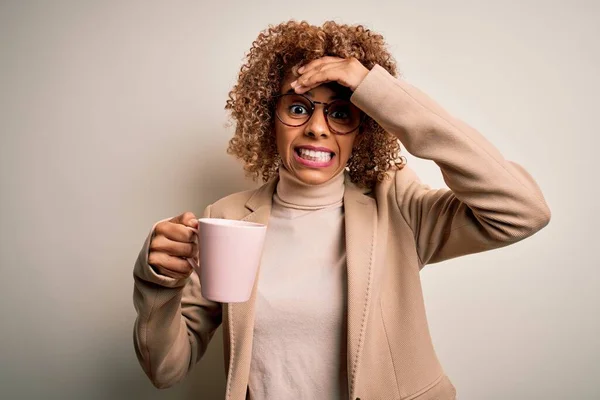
(299, 347)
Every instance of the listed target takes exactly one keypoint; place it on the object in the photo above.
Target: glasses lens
(293, 109)
(343, 116)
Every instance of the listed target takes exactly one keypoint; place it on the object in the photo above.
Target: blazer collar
(262, 197)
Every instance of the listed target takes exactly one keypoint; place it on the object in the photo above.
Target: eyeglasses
(295, 110)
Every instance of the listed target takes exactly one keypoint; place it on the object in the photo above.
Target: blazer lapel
(361, 221)
(239, 317)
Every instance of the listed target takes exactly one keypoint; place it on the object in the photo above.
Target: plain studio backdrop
(111, 118)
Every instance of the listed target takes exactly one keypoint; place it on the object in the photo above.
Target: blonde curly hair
(277, 49)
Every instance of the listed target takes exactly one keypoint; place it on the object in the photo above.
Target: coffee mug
(230, 253)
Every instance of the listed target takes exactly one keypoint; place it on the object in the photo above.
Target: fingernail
(300, 70)
(293, 84)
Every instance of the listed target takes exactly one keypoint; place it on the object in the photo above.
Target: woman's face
(312, 152)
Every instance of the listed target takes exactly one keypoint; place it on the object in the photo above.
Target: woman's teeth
(312, 155)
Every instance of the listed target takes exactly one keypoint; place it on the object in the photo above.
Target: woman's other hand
(348, 72)
(173, 242)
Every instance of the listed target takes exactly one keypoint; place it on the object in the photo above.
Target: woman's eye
(339, 115)
(298, 109)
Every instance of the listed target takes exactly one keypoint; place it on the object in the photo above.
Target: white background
(111, 118)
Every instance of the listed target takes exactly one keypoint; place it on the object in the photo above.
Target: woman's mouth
(313, 158)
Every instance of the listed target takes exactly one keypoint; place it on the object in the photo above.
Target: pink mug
(230, 253)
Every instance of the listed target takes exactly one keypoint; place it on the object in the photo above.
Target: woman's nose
(317, 125)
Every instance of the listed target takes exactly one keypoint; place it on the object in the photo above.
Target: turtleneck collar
(292, 192)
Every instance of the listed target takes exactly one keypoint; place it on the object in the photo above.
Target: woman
(337, 308)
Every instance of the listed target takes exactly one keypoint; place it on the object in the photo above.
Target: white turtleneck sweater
(299, 345)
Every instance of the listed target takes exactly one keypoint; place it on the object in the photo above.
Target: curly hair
(277, 49)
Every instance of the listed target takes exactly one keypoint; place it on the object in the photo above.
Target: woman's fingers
(176, 231)
(173, 242)
(332, 72)
(174, 248)
(187, 218)
(170, 266)
(319, 62)
(348, 72)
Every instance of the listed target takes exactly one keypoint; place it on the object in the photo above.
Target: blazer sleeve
(491, 202)
(174, 322)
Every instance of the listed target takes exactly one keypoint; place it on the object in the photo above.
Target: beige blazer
(392, 232)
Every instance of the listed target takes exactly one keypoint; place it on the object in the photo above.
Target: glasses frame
(312, 111)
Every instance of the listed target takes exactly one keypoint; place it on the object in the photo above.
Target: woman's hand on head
(348, 72)
(172, 243)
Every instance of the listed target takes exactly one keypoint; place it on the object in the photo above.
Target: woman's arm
(174, 322)
(491, 202)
